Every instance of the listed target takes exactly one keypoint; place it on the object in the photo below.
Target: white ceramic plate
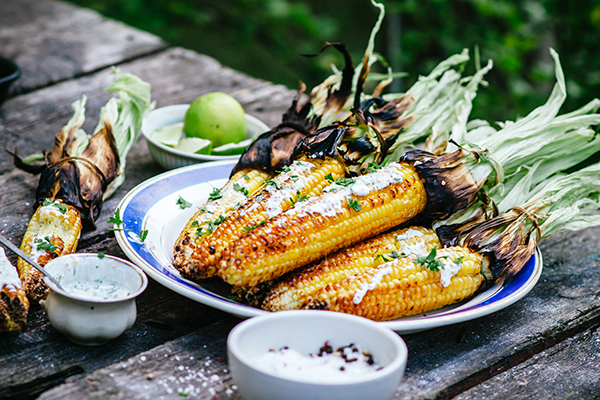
(152, 206)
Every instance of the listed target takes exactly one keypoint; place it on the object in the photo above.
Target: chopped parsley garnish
(355, 205)
(345, 181)
(61, 207)
(430, 262)
(116, 219)
(183, 203)
(273, 182)
(200, 231)
(143, 234)
(210, 226)
(220, 220)
(241, 189)
(384, 258)
(45, 244)
(215, 194)
(246, 177)
(373, 166)
(100, 255)
(294, 178)
(329, 178)
(249, 229)
(195, 223)
(285, 168)
(206, 210)
(302, 198)
(459, 260)
(391, 256)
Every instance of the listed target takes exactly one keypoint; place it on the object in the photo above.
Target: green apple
(217, 117)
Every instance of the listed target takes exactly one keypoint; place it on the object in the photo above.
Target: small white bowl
(87, 320)
(306, 331)
(170, 158)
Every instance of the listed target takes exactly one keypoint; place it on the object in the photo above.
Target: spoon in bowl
(9, 245)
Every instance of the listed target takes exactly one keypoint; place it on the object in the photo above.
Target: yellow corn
(297, 289)
(243, 184)
(404, 286)
(53, 230)
(344, 214)
(14, 304)
(304, 177)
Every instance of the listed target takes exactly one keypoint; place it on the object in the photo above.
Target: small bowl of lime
(172, 144)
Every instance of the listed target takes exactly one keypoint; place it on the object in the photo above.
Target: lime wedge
(231, 149)
(194, 145)
(169, 135)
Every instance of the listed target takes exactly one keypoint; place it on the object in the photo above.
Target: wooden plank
(571, 369)
(193, 366)
(52, 41)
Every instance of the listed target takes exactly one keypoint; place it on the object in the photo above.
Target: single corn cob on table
(53, 230)
(14, 304)
(296, 290)
(348, 211)
(220, 204)
(303, 178)
(406, 286)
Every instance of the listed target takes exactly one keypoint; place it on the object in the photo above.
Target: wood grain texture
(194, 366)
(53, 41)
(569, 370)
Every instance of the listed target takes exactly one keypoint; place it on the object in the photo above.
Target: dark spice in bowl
(9, 72)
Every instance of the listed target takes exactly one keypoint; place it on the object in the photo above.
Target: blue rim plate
(152, 206)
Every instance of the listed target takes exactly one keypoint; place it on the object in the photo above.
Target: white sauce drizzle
(35, 254)
(448, 269)
(375, 280)
(8, 273)
(418, 249)
(335, 196)
(298, 173)
(50, 211)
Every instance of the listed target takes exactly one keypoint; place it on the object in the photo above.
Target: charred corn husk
(220, 204)
(296, 290)
(347, 212)
(14, 304)
(53, 230)
(303, 178)
(405, 286)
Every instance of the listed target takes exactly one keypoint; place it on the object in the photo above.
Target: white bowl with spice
(311, 354)
(169, 157)
(98, 300)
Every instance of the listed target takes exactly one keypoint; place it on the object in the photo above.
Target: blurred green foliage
(265, 38)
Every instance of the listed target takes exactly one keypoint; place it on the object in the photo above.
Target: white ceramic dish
(170, 158)
(86, 320)
(306, 331)
(152, 206)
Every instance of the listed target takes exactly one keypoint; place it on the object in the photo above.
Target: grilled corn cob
(220, 204)
(53, 230)
(14, 304)
(297, 289)
(304, 177)
(347, 212)
(405, 286)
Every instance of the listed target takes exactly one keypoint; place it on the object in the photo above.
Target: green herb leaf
(45, 244)
(355, 205)
(116, 219)
(200, 231)
(273, 182)
(49, 202)
(302, 198)
(205, 210)
(183, 203)
(345, 181)
(215, 194)
(246, 177)
(285, 169)
(100, 255)
(329, 178)
(220, 220)
(143, 234)
(384, 258)
(249, 229)
(241, 189)
(195, 223)
(430, 262)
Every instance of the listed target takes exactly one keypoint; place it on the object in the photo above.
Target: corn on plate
(153, 206)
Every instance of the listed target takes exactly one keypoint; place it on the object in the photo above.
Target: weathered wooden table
(544, 346)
